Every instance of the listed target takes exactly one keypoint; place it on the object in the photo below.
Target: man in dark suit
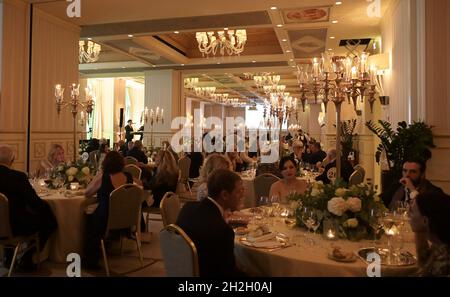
(412, 183)
(317, 154)
(204, 223)
(137, 152)
(27, 212)
(129, 131)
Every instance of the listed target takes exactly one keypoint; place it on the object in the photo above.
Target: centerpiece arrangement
(79, 172)
(350, 209)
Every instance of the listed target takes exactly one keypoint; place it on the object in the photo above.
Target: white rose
(337, 206)
(295, 204)
(318, 185)
(351, 223)
(315, 192)
(354, 204)
(70, 178)
(60, 168)
(340, 192)
(72, 171)
(85, 170)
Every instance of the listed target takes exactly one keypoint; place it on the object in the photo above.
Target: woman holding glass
(289, 184)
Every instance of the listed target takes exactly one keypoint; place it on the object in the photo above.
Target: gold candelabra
(154, 117)
(74, 105)
(337, 78)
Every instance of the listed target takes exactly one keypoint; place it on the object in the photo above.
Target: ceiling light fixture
(176, 32)
(332, 37)
(334, 22)
(208, 43)
(279, 25)
(338, 2)
(284, 39)
(130, 35)
(273, 8)
(90, 54)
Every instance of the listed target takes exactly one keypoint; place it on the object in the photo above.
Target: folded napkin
(261, 238)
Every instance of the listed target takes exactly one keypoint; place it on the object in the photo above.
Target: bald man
(27, 212)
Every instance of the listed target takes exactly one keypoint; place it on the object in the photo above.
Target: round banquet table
(68, 208)
(301, 259)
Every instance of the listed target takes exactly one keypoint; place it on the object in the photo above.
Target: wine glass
(290, 219)
(390, 226)
(375, 217)
(263, 200)
(275, 203)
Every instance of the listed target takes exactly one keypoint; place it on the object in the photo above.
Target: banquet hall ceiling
(139, 35)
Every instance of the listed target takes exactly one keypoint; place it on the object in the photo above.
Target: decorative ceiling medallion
(307, 15)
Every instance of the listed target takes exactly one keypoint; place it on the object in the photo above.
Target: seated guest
(212, 162)
(196, 163)
(317, 154)
(329, 173)
(289, 184)
(122, 148)
(271, 168)
(235, 160)
(27, 212)
(204, 223)
(430, 220)
(111, 177)
(102, 152)
(137, 153)
(54, 158)
(297, 155)
(412, 183)
(168, 147)
(166, 176)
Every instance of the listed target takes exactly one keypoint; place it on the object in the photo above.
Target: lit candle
(59, 93)
(373, 74)
(151, 113)
(82, 115)
(331, 234)
(364, 59)
(162, 112)
(315, 67)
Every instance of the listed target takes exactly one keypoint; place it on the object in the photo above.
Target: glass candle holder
(330, 230)
(74, 186)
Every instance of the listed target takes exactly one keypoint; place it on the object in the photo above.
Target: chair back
(130, 160)
(262, 184)
(361, 170)
(125, 207)
(184, 164)
(133, 170)
(356, 178)
(179, 252)
(170, 208)
(5, 227)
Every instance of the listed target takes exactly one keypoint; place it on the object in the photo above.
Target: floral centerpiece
(67, 173)
(349, 208)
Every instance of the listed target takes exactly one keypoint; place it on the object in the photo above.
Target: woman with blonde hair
(166, 176)
(212, 162)
(54, 158)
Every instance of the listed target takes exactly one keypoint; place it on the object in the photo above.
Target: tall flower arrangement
(350, 207)
(79, 171)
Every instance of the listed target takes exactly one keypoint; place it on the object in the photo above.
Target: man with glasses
(412, 183)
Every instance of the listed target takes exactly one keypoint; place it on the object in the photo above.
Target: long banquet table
(303, 259)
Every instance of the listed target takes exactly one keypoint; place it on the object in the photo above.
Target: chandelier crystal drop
(89, 54)
(233, 44)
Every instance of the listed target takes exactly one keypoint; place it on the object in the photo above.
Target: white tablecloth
(68, 238)
(303, 259)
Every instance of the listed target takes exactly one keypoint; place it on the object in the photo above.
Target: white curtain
(134, 102)
(104, 107)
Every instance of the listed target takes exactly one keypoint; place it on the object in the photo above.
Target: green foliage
(347, 135)
(317, 197)
(413, 141)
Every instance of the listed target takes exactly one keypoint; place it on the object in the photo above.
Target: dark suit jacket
(316, 157)
(129, 133)
(397, 192)
(138, 155)
(346, 171)
(25, 206)
(212, 236)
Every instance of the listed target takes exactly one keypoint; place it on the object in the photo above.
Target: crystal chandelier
(205, 91)
(266, 79)
(190, 83)
(89, 55)
(208, 43)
